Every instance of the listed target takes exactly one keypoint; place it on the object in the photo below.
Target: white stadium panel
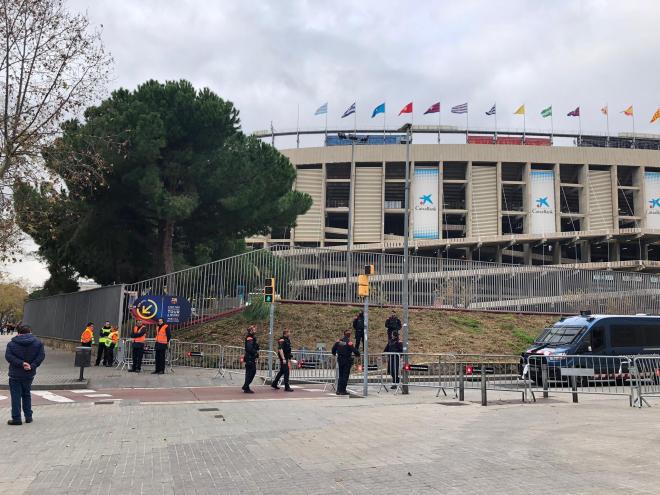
(368, 221)
(309, 227)
(484, 214)
(600, 200)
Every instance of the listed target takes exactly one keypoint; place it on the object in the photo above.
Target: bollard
(484, 397)
(461, 383)
(544, 379)
(574, 389)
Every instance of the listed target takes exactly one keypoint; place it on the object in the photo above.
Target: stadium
(592, 201)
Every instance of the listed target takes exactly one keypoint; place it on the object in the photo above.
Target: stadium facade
(513, 199)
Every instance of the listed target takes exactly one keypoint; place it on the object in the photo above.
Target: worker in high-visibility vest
(87, 337)
(110, 349)
(163, 336)
(139, 336)
(104, 343)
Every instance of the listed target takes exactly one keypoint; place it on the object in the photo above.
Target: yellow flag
(520, 111)
(628, 111)
(656, 115)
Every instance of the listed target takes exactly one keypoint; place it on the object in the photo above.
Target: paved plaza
(202, 440)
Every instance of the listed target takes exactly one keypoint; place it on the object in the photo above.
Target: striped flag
(546, 112)
(322, 109)
(349, 111)
(491, 111)
(462, 108)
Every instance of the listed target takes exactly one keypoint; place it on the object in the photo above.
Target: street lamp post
(349, 241)
(404, 376)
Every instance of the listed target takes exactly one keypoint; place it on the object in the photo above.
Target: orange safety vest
(161, 334)
(136, 329)
(87, 336)
(114, 336)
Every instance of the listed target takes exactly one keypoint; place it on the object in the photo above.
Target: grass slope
(430, 330)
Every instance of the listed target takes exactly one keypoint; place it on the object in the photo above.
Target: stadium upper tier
(531, 204)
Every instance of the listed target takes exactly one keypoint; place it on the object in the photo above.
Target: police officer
(395, 347)
(358, 326)
(393, 324)
(104, 343)
(139, 336)
(344, 350)
(284, 353)
(87, 337)
(163, 337)
(251, 356)
(110, 349)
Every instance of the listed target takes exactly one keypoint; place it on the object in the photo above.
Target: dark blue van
(594, 335)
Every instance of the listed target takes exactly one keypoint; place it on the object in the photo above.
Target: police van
(593, 335)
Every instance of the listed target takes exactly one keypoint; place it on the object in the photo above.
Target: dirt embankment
(430, 330)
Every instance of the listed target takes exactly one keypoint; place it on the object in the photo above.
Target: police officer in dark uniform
(344, 350)
(284, 353)
(358, 326)
(251, 356)
(395, 347)
(393, 324)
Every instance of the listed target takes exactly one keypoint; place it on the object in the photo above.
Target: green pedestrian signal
(269, 290)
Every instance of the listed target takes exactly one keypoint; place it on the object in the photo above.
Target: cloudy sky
(272, 57)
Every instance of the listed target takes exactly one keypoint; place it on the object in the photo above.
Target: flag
(379, 109)
(574, 113)
(349, 111)
(520, 111)
(546, 112)
(604, 110)
(462, 108)
(435, 108)
(628, 111)
(491, 111)
(406, 109)
(656, 116)
(322, 109)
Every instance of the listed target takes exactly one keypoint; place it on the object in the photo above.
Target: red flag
(406, 109)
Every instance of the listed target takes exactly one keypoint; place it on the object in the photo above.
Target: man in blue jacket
(24, 353)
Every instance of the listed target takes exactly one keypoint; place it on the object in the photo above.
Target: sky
(276, 60)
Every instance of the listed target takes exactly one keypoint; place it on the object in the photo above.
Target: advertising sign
(424, 201)
(652, 199)
(171, 309)
(542, 187)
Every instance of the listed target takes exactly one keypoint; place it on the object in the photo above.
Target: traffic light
(269, 290)
(369, 269)
(363, 285)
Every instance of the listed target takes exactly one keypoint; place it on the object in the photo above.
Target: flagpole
(552, 126)
(298, 128)
(524, 123)
(579, 128)
(607, 122)
(272, 134)
(467, 123)
(384, 124)
(633, 118)
(326, 125)
(439, 120)
(495, 122)
(355, 121)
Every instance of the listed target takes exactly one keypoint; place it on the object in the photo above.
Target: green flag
(546, 112)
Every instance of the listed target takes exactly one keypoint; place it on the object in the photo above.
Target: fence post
(484, 397)
(574, 389)
(544, 379)
(461, 383)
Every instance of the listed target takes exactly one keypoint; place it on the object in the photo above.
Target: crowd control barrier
(124, 358)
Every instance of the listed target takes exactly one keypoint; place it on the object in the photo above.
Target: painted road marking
(94, 396)
(2, 397)
(83, 391)
(51, 396)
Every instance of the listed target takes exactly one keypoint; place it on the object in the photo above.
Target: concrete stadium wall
(64, 316)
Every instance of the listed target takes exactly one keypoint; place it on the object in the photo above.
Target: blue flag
(379, 109)
(322, 109)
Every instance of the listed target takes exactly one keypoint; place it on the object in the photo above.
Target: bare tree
(52, 65)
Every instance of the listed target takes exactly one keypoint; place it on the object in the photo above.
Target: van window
(559, 335)
(635, 335)
(597, 338)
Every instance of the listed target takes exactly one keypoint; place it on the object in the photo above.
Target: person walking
(24, 353)
(87, 337)
(358, 326)
(284, 353)
(163, 336)
(393, 324)
(110, 351)
(139, 336)
(250, 358)
(344, 351)
(104, 343)
(394, 348)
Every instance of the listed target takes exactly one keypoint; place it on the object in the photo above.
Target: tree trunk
(167, 233)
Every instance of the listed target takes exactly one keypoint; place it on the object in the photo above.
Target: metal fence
(65, 316)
